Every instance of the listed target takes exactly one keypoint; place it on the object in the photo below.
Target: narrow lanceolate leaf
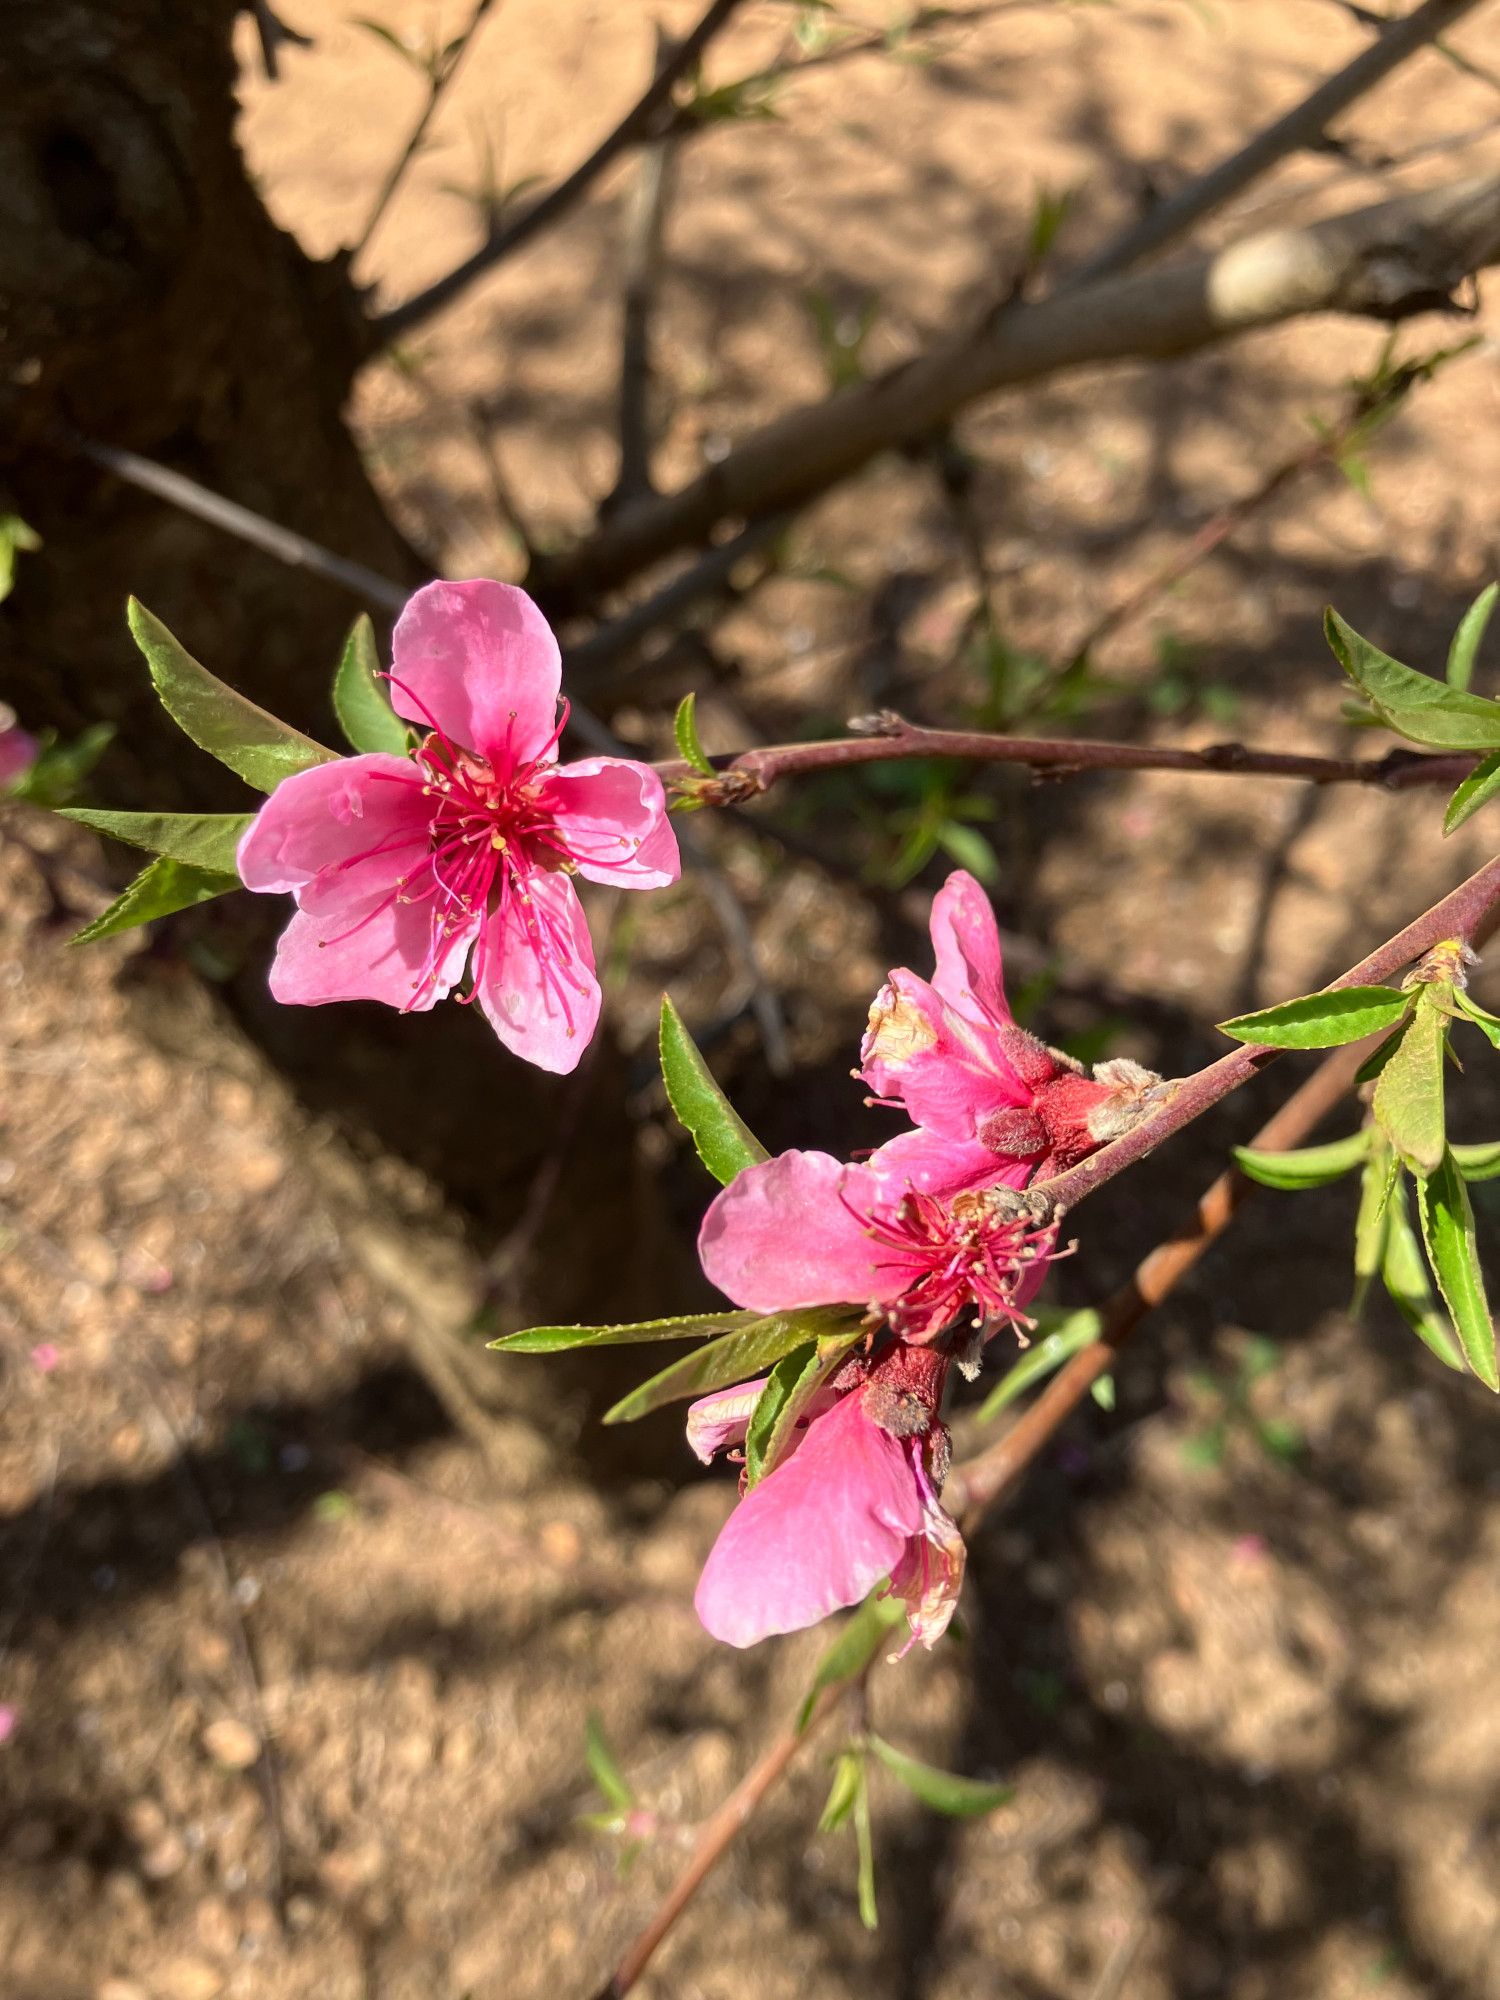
(1478, 1163)
(859, 1641)
(1408, 1099)
(1321, 1020)
(603, 1769)
(864, 1842)
(1405, 1278)
(258, 747)
(359, 698)
(158, 891)
(1448, 1231)
(1486, 1023)
(736, 1357)
(1414, 705)
(1481, 785)
(725, 1143)
(847, 1772)
(1466, 640)
(685, 729)
(1371, 1226)
(686, 1326)
(204, 840)
(782, 1404)
(1310, 1167)
(944, 1791)
(1072, 1332)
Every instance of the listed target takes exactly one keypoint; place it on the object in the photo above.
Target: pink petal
(930, 1573)
(716, 1423)
(352, 940)
(321, 818)
(789, 1233)
(949, 1071)
(936, 1165)
(18, 750)
(966, 947)
(478, 661)
(611, 814)
(534, 973)
(818, 1533)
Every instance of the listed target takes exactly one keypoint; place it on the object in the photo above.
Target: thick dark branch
(1304, 124)
(1459, 915)
(1386, 262)
(638, 123)
(893, 740)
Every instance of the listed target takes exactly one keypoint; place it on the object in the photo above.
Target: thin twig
(645, 236)
(445, 68)
(748, 773)
(638, 122)
(1299, 127)
(1460, 914)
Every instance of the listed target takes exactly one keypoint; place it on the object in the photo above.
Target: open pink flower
(409, 869)
(804, 1229)
(948, 1050)
(855, 1501)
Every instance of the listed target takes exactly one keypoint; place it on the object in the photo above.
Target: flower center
(969, 1251)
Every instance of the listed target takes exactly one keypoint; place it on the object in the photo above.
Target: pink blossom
(949, 1051)
(804, 1229)
(45, 1357)
(408, 870)
(855, 1501)
(9, 1717)
(18, 749)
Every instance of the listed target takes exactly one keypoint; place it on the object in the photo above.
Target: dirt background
(294, 1657)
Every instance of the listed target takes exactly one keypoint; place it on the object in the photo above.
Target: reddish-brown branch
(891, 739)
(976, 1485)
(1460, 914)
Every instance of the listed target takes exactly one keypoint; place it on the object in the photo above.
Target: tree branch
(1301, 126)
(1460, 914)
(1386, 262)
(637, 123)
(889, 738)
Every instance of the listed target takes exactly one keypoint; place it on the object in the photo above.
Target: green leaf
(158, 891)
(848, 1770)
(685, 729)
(1404, 1276)
(686, 1326)
(605, 1772)
(1478, 1163)
(61, 768)
(734, 1358)
(869, 1916)
(257, 746)
(1102, 1389)
(1475, 791)
(1414, 705)
(1309, 1167)
(1073, 1332)
(725, 1143)
(1408, 1099)
(1371, 1225)
(16, 537)
(1448, 1231)
(862, 1636)
(203, 840)
(1466, 640)
(957, 1798)
(360, 701)
(1484, 1022)
(1321, 1020)
(795, 1380)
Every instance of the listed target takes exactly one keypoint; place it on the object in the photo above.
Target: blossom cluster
(935, 1235)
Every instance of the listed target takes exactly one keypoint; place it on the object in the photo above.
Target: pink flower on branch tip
(804, 1229)
(949, 1051)
(409, 870)
(854, 1502)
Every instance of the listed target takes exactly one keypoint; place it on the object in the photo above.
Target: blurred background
(306, 1597)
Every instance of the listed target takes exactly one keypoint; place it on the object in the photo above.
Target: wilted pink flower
(948, 1050)
(18, 749)
(408, 869)
(855, 1501)
(804, 1229)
